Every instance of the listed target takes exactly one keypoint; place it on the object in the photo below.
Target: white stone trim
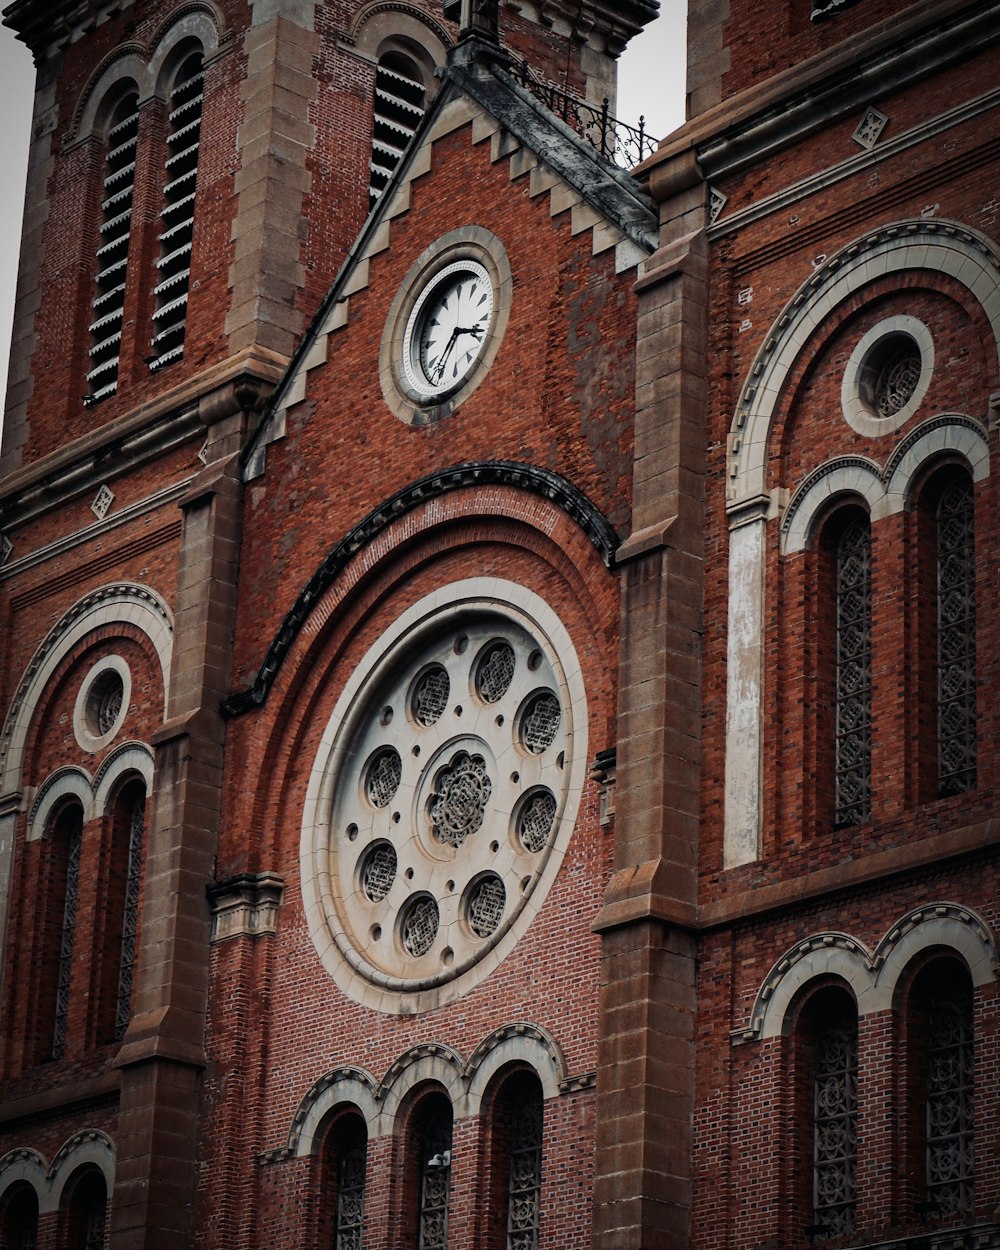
(346, 1086)
(86, 739)
(89, 1147)
(23, 1164)
(874, 977)
(847, 476)
(856, 410)
(515, 1044)
(131, 759)
(63, 784)
(949, 433)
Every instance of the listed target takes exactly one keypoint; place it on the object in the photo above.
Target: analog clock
(447, 329)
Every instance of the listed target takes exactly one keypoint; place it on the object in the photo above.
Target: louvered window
(173, 268)
(112, 253)
(399, 106)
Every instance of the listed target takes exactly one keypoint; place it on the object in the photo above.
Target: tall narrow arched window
(125, 881)
(956, 635)
(943, 1092)
(432, 1131)
(516, 1159)
(853, 665)
(19, 1219)
(86, 1211)
(173, 268)
(345, 1152)
(107, 309)
(828, 1063)
(400, 101)
(66, 843)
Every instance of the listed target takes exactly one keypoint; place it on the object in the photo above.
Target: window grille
(351, 1162)
(177, 216)
(130, 918)
(399, 106)
(835, 1103)
(854, 680)
(74, 844)
(956, 640)
(435, 1181)
(525, 1188)
(950, 1101)
(108, 304)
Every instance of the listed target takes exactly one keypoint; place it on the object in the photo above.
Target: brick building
(498, 746)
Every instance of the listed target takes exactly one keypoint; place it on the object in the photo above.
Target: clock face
(446, 331)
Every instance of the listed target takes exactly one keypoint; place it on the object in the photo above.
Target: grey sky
(650, 83)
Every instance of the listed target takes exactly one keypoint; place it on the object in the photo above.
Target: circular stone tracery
(450, 797)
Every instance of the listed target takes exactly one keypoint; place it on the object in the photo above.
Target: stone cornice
(762, 121)
(51, 25)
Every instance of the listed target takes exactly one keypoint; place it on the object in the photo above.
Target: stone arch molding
(145, 66)
(887, 489)
(131, 759)
(88, 1148)
(121, 603)
(873, 976)
(938, 246)
(465, 1082)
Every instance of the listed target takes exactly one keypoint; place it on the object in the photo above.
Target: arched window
(86, 1211)
(108, 304)
(430, 1153)
(19, 1220)
(124, 882)
(516, 1161)
(56, 965)
(942, 1102)
(345, 1153)
(400, 101)
(827, 1062)
(177, 215)
(848, 540)
(955, 578)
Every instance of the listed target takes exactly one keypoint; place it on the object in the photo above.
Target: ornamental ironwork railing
(624, 145)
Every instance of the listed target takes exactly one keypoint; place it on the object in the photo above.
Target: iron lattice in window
(65, 973)
(420, 926)
(379, 872)
(435, 1183)
(541, 723)
(536, 820)
(950, 1103)
(108, 304)
(897, 381)
(495, 672)
(486, 906)
(835, 1126)
(461, 793)
(97, 1218)
(130, 918)
(399, 106)
(854, 679)
(384, 777)
(430, 696)
(956, 640)
(350, 1196)
(525, 1192)
(177, 215)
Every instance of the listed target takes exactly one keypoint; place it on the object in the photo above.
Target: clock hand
(439, 368)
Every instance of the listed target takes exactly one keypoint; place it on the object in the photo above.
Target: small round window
(887, 375)
(102, 703)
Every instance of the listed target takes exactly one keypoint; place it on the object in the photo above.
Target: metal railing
(615, 140)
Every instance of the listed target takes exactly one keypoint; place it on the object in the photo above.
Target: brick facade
(378, 905)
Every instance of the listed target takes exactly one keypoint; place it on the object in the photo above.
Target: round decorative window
(445, 793)
(102, 703)
(887, 375)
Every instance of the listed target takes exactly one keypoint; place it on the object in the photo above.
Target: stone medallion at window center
(451, 797)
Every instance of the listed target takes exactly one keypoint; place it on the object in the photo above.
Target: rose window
(448, 801)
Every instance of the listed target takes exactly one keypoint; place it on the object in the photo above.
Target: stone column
(645, 1080)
